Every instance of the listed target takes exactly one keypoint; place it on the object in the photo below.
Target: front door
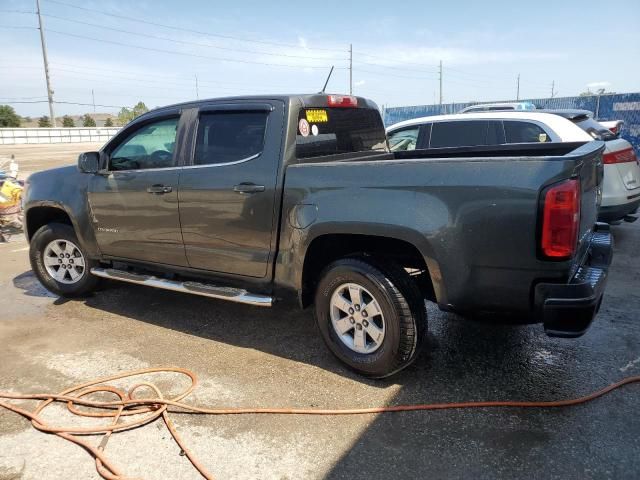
(134, 203)
(227, 194)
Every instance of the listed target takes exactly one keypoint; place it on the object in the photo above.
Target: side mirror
(89, 162)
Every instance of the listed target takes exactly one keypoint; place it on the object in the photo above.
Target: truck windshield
(331, 131)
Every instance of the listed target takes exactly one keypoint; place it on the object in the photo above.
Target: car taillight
(561, 219)
(342, 101)
(621, 156)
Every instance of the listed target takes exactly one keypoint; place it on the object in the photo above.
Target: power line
(184, 42)
(17, 11)
(20, 27)
(490, 78)
(173, 52)
(395, 60)
(69, 103)
(137, 75)
(86, 73)
(21, 98)
(394, 67)
(387, 74)
(173, 27)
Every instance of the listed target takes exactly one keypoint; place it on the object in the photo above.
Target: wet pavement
(247, 356)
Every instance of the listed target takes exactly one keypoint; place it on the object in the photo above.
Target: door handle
(248, 188)
(159, 189)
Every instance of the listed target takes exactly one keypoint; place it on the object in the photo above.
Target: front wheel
(60, 263)
(371, 315)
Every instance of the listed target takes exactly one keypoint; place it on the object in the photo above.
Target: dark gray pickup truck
(252, 199)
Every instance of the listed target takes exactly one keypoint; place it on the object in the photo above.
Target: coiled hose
(157, 406)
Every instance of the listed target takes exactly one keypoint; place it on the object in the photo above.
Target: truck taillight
(561, 220)
(342, 101)
(621, 156)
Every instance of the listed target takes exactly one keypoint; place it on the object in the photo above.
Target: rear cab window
(332, 131)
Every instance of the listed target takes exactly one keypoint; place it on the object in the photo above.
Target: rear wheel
(60, 263)
(371, 315)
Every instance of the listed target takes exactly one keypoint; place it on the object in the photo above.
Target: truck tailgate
(590, 169)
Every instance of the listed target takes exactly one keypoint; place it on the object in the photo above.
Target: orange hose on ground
(152, 408)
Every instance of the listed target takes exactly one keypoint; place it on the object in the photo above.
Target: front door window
(149, 147)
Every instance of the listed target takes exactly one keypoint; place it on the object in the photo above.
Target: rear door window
(225, 137)
(524, 132)
(330, 131)
(459, 134)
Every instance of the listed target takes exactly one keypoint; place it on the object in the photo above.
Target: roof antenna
(328, 77)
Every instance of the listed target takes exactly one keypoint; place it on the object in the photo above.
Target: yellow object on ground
(10, 193)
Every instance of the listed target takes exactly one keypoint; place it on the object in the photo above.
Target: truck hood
(61, 186)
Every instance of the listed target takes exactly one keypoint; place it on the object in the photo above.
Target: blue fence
(622, 106)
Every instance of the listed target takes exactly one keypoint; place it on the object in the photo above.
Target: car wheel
(60, 263)
(371, 315)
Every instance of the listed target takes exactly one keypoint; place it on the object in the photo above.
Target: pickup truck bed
(319, 207)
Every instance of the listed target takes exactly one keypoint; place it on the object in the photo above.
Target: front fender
(64, 189)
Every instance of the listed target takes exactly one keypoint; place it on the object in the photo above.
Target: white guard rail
(15, 136)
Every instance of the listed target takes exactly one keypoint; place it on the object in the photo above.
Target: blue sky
(396, 45)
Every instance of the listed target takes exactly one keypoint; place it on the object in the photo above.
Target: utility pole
(518, 88)
(440, 76)
(197, 93)
(93, 99)
(351, 69)
(46, 66)
(553, 90)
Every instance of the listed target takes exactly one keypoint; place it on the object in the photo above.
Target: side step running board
(237, 295)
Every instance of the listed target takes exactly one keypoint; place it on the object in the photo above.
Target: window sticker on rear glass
(317, 116)
(303, 126)
(542, 137)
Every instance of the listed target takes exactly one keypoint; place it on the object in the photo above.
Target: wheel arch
(43, 214)
(328, 247)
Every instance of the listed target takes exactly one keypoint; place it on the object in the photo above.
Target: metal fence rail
(621, 106)
(15, 136)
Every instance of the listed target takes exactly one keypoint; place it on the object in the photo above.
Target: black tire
(402, 306)
(85, 284)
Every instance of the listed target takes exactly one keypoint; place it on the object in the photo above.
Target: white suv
(621, 188)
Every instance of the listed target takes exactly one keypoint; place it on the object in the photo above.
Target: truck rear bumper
(568, 309)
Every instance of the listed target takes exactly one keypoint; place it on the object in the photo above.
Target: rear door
(228, 191)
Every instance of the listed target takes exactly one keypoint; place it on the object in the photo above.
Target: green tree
(8, 117)
(67, 121)
(88, 121)
(139, 109)
(108, 122)
(124, 116)
(44, 122)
